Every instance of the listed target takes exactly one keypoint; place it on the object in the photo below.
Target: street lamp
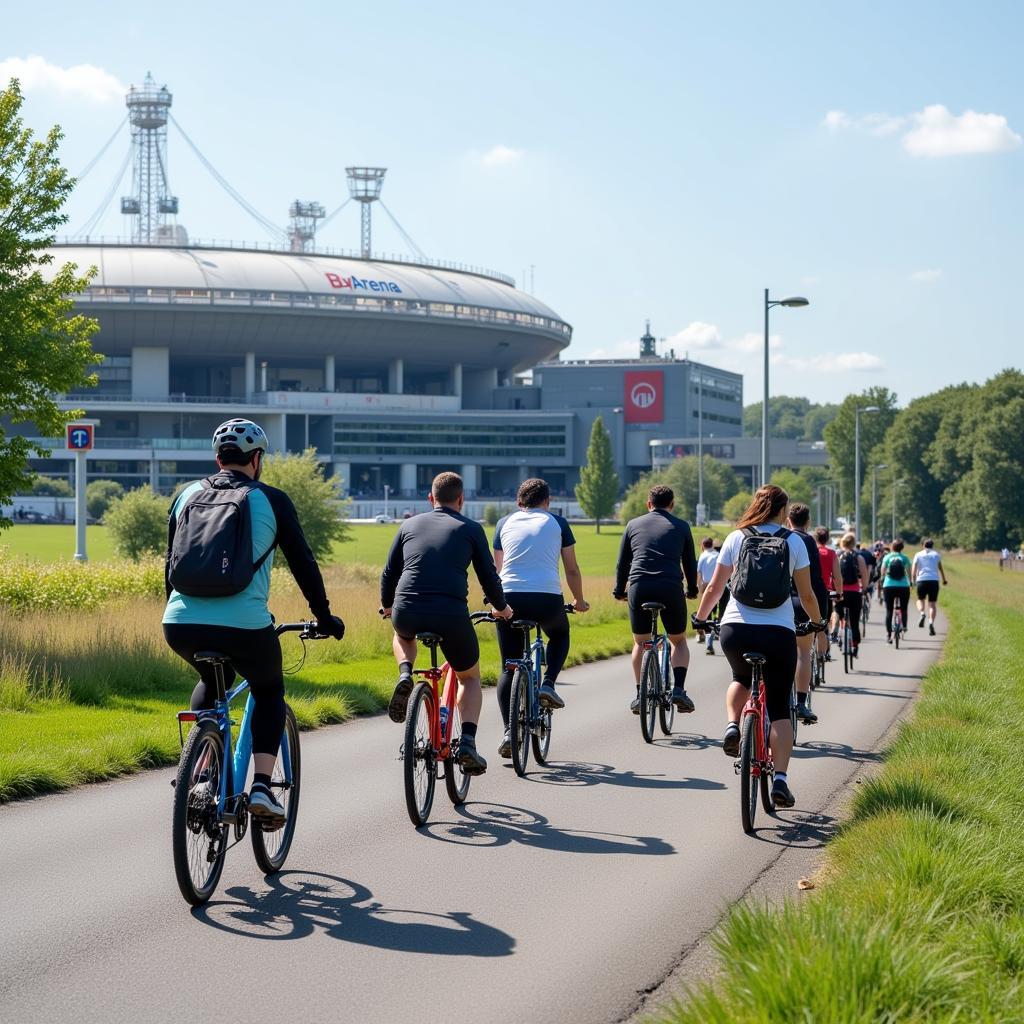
(700, 446)
(793, 302)
(896, 484)
(874, 499)
(856, 467)
(621, 413)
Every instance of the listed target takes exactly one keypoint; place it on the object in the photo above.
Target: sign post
(80, 438)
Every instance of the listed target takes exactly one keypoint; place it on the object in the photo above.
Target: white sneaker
(263, 804)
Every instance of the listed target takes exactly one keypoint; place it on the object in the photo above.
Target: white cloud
(83, 81)
(830, 362)
(499, 156)
(926, 276)
(695, 335)
(934, 131)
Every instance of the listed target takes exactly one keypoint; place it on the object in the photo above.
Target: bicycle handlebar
(802, 629)
(308, 630)
(478, 617)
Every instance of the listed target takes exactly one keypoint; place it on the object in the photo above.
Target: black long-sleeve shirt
(656, 546)
(429, 560)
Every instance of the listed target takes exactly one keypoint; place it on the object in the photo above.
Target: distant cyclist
(528, 546)
(833, 580)
(925, 574)
(871, 560)
(656, 552)
(705, 570)
(425, 589)
(768, 629)
(221, 536)
(799, 518)
(854, 571)
(895, 585)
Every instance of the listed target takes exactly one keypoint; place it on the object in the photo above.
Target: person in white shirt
(705, 570)
(770, 631)
(924, 574)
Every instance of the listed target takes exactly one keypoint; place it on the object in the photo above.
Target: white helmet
(240, 433)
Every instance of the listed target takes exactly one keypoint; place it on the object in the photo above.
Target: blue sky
(650, 160)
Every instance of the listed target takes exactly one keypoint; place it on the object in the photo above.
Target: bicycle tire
(650, 692)
(271, 848)
(542, 742)
(764, 779)
(519, 722)
(666, 714)
(896, 633)
(847, 649)
(794, 721)
(456, 781)
(748, 791)
(204, 739)
(418, 756)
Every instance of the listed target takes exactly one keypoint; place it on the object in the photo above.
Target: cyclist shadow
(485, 824)
(586, 773)
(687, 741)
(867, 691)
(815, 748)
(805, 831)
(299, 903)
(891, 675)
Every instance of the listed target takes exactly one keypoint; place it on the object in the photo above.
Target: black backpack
(896, 569)
(212, 551)
(761, 577)
(849, 567)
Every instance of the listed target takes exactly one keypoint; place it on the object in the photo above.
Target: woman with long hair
(770, 631)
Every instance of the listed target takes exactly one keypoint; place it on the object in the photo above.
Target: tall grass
(920, 916)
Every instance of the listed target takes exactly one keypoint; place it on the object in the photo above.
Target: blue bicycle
(210, 802)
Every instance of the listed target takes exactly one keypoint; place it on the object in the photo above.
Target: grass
(919, 913)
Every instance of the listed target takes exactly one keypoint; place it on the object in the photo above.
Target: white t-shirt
(926, 563)
(531, 542)
(706, 565)
(781, 616)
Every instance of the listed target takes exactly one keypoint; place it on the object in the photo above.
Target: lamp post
(896, 484)
(856, 467)
(620, 411)
(793, 301)
(700, 446)
(874, 499)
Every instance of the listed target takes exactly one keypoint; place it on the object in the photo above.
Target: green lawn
(919, 914)
(55, 543)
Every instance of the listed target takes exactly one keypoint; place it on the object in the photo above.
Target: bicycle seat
(214, 657)
(753, 658)
(429, 638)
(650, 606)
(523, 624)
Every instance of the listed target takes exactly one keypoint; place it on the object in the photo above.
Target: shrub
(52, 487)
(30, 586)
(98, 496)
(491, 514)
(138, 523)
(737, 505)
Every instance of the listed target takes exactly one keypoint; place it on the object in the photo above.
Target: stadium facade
(393, 371)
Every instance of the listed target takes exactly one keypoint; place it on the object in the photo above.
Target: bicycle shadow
(298, 903)
(815, 748)
(804, 832)
(867, 691)
(891, 675)
(588, 773)
(486, 824)
(687, 741)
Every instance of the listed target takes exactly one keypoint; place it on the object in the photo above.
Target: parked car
(383, 518)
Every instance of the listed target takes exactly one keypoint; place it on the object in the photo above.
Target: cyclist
(528, 545)
(239, 624)
(424, 588)
(799, 517)
(768, 630)
(927, 569)
(872, 563)
(656, 552)
(833, 580)
(896, 571)
(705, 570)
(854, 571)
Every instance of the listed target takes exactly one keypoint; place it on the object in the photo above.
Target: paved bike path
(560, 897)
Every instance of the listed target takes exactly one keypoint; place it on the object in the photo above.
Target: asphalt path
(564, 896)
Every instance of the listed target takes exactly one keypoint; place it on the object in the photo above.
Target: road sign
(80, 436)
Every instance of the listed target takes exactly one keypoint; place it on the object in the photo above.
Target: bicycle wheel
(519, 721)
(198, 841)
(542, 737)
(650, 691)
(764, 778)
(793, 720)
(896, 633)
(666, 709)
(420, 762)
(748, 758)
(847, 648)
(271, 848)
(456, 781)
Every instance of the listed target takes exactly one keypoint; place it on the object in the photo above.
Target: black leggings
(852, 603)
(778, 645)
(253, 653)
(549, 611)
(892, 595)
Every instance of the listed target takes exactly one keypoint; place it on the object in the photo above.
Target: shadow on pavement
(587, 773)
(299, 903)
(815, 748)
(484, 824)
(687, 741)
(867, 691)
(805, 831)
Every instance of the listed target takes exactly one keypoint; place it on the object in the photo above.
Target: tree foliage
(51, 487)
(138, 523)
(599, 483)
(98, 496)
(681, 475)
(45, 350)
(798, 419)
(322, 513)
(737, 505)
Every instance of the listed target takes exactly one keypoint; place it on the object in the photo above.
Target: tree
(52, 487)
(737, 505)
(321, 510)
(138, 523)
(599, 483)
(682, 475)
(98, 496)
(795, 418)
(794, 485)
(45, 350)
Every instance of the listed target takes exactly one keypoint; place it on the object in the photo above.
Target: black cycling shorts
(823, 606)
(778, 645)
(665, 592)
(459, 643)
(928, 590)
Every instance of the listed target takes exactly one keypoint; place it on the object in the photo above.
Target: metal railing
(132, 443)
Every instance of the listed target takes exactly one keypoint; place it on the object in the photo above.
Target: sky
(652, 160)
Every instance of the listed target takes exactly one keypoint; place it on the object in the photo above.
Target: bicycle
(847, 641)
(865, 611)
(209, 787)
(655, 690)
(432, 730)
(897, 623)
(529, 721)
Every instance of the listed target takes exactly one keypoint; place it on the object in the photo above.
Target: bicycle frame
(440, 736)
(659, 643)
(757, 704)
(532, 663)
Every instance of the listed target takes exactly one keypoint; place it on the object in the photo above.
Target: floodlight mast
(364, 185)
(302, 230)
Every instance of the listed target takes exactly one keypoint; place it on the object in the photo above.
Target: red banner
(645, 396)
